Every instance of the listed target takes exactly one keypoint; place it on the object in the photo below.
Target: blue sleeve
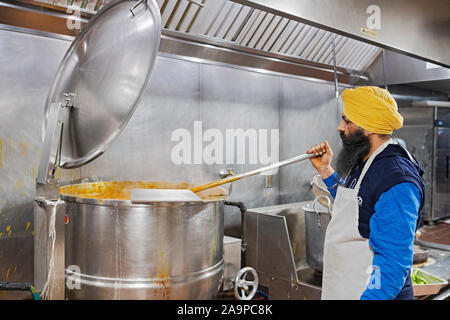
(332, 183)
(392, 231)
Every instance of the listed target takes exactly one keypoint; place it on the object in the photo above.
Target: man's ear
(367, 133)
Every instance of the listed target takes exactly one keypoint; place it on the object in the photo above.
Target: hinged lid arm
(51, 153)
(137, 4)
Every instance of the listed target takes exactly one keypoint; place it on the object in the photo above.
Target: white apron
(348, 257)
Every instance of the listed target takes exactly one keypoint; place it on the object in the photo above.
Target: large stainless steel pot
(133, 251)
(317, 218)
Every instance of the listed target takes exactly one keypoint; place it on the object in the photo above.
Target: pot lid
(106, 68)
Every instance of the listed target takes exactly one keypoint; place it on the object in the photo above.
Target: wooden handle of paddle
(214, 184)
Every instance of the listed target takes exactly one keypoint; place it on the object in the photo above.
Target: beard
(355, 147)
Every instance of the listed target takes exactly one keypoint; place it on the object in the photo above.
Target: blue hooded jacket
(391, 200)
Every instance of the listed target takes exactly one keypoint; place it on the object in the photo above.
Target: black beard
(355, 148)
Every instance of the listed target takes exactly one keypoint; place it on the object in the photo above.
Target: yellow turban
(373, 109)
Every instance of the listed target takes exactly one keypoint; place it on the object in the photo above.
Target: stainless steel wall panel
(27, 65)
(143, 150)
(309, 114)
(245, 100)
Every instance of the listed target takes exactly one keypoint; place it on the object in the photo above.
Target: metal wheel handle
(243, 288)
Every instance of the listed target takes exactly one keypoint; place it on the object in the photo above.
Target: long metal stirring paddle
(251, 173)
(189, 195)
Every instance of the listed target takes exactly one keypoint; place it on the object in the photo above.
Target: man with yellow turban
(379, 196)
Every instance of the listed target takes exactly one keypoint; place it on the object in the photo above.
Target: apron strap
(407, 152)
(370, 160)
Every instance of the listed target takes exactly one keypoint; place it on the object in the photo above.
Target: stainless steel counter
(438, 263)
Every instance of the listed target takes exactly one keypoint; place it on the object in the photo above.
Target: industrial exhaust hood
(246, 35)
(419, 28)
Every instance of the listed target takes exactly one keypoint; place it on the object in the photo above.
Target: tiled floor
(439, 233)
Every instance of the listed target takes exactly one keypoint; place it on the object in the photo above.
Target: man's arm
(332, 183)
(392, 231)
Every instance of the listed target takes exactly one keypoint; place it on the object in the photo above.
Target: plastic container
(434, 285)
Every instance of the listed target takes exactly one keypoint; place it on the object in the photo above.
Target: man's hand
(322, 161)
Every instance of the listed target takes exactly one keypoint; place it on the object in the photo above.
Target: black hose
(15, 286)
(20, 286)
(238, 204)
(243, 209)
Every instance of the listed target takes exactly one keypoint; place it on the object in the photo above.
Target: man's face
(346, 127)
(356, 145)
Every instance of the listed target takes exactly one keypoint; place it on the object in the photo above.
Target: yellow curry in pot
(121, 190)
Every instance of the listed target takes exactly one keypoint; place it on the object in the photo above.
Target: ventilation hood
(419, 28)
(248, 27)
(262, 39)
